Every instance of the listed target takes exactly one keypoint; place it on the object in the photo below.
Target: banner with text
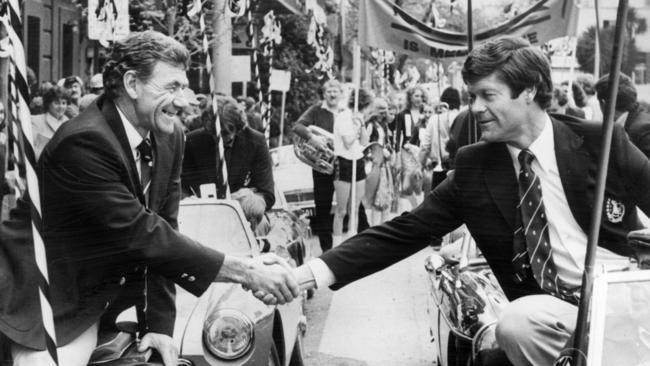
(387, 26)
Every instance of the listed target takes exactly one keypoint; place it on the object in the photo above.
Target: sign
(384, 25)
(240, 67)
(108, 20)
(280, 80)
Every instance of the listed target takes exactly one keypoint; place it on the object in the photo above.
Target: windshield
(215, 225)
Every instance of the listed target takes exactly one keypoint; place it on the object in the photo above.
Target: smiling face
(75, 91)
(159, 101)
(332, 96)
(417, 98)
(501, 116)
(57, 108)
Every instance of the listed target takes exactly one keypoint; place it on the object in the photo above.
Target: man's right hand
(268, 276)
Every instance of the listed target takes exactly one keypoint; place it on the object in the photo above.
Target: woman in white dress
(350, 136)
(55, 102)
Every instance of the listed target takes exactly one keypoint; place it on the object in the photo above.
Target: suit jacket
(483, 193)
(100, 237)
(248, 160)
(637, 126)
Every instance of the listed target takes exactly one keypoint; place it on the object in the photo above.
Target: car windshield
(217, 226)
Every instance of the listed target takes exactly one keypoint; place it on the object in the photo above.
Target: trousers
(533, 330)
(75, 353)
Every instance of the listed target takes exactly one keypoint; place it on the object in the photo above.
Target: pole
(597, 43)
(25, 162)
(580, 344)
(356, 79)
(472, 129)
(284, 99)
(221, 161)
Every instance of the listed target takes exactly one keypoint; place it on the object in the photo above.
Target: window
(34, 43)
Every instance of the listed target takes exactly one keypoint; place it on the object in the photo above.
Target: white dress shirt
(568, 241)
(134, 137)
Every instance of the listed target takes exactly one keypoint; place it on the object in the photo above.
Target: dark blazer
(637, 126)
(101, 238)
(483, 193)
(249, 163)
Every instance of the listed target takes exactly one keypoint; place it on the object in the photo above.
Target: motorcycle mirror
(639, 240)
(433, 262)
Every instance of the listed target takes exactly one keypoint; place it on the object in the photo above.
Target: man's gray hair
(140, 52)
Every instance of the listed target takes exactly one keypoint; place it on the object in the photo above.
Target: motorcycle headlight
(228, 334)
(485, 338)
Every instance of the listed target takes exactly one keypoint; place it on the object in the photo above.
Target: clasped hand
(271, 280)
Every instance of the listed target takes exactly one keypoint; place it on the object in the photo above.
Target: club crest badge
(614, 210)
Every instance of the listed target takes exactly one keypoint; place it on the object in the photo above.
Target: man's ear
(530, 94)
(130, 81)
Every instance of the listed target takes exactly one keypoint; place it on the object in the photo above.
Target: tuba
(320, 160)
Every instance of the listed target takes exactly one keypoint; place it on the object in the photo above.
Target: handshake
(270, 278)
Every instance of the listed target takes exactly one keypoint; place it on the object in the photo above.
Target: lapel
(163, 153)
(501, 181)
(573, 163)
(236, 156)
(115, 123)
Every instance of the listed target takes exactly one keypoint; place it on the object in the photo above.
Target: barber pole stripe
(22, 133)
(252, 43)
(208, 66)
(266, 112)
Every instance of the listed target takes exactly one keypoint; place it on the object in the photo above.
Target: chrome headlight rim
(488, 329)
(245, 322)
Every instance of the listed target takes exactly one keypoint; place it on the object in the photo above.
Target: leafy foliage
(294, 55)
(585, 51)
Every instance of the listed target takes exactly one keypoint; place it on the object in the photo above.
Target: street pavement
(380, 320)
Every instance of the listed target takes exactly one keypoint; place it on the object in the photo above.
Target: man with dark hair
(247, 157)
(637, 121)
(110, 188)
(525, 194)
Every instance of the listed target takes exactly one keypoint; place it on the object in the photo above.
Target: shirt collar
(543, 147)
(53, 122)
(131, 133)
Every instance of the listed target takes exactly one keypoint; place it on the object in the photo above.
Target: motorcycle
(467, 301)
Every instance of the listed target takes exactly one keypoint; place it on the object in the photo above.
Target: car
(227, 325)
(294, 179)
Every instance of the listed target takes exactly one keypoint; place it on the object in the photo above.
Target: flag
(383, 24)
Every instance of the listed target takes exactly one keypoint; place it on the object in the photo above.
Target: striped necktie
(146, 165)
(533, 232)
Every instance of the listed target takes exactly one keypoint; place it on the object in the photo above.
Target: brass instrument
(318, 159)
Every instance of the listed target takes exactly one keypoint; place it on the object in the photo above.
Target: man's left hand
(162, 343)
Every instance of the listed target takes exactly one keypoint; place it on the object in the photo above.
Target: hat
(96, 82)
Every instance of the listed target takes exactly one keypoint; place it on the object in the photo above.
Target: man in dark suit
(535, 247)
(637, 121)
(110, 188)
(247, 157)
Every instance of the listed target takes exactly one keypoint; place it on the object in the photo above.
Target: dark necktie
(146, 165)
(532, 245)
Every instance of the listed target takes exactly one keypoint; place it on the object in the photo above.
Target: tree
(292, 55)
(585, 51)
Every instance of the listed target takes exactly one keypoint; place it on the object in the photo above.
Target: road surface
(380, 320)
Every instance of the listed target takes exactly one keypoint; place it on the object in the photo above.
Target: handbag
(385, 193)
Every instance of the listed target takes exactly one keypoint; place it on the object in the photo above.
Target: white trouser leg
(532, 330)
(75, 353)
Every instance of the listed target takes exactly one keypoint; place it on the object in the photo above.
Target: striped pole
(221, 162)
(252, 43)
(21, 134)
(266, 115)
